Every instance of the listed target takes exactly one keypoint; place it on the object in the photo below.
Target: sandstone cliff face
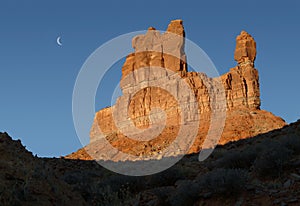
(152, 50)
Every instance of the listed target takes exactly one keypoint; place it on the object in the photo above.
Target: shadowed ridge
(247, 170)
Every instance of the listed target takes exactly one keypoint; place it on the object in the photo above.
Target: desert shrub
(186, 193)
(155, 196)
(11, 194)
(107, 197)
(166, 178)
(113, 190)
(218, 153)
(291, 142)
(262, 145)
(73, 177)
(224, 181)
(270, 162)
(237, 159)
(187, 171)
(116, 182)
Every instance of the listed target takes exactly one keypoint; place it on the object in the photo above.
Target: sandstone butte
(244, 118)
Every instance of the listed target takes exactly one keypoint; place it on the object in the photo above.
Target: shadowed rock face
(156, 50)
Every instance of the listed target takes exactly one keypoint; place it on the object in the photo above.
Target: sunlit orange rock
(241, 91)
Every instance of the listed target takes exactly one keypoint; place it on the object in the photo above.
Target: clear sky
(37, 76)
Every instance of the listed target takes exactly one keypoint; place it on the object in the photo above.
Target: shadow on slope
(261, 170)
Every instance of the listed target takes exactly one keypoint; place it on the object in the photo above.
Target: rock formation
(152, 49)
(155, 50)
(245, 51)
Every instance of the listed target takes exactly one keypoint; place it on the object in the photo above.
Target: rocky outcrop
(245, 51)
(29, 180)
(154, 52)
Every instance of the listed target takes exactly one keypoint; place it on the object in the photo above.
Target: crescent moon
(58, 41)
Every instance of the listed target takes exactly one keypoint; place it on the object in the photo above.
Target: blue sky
(37, 75)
